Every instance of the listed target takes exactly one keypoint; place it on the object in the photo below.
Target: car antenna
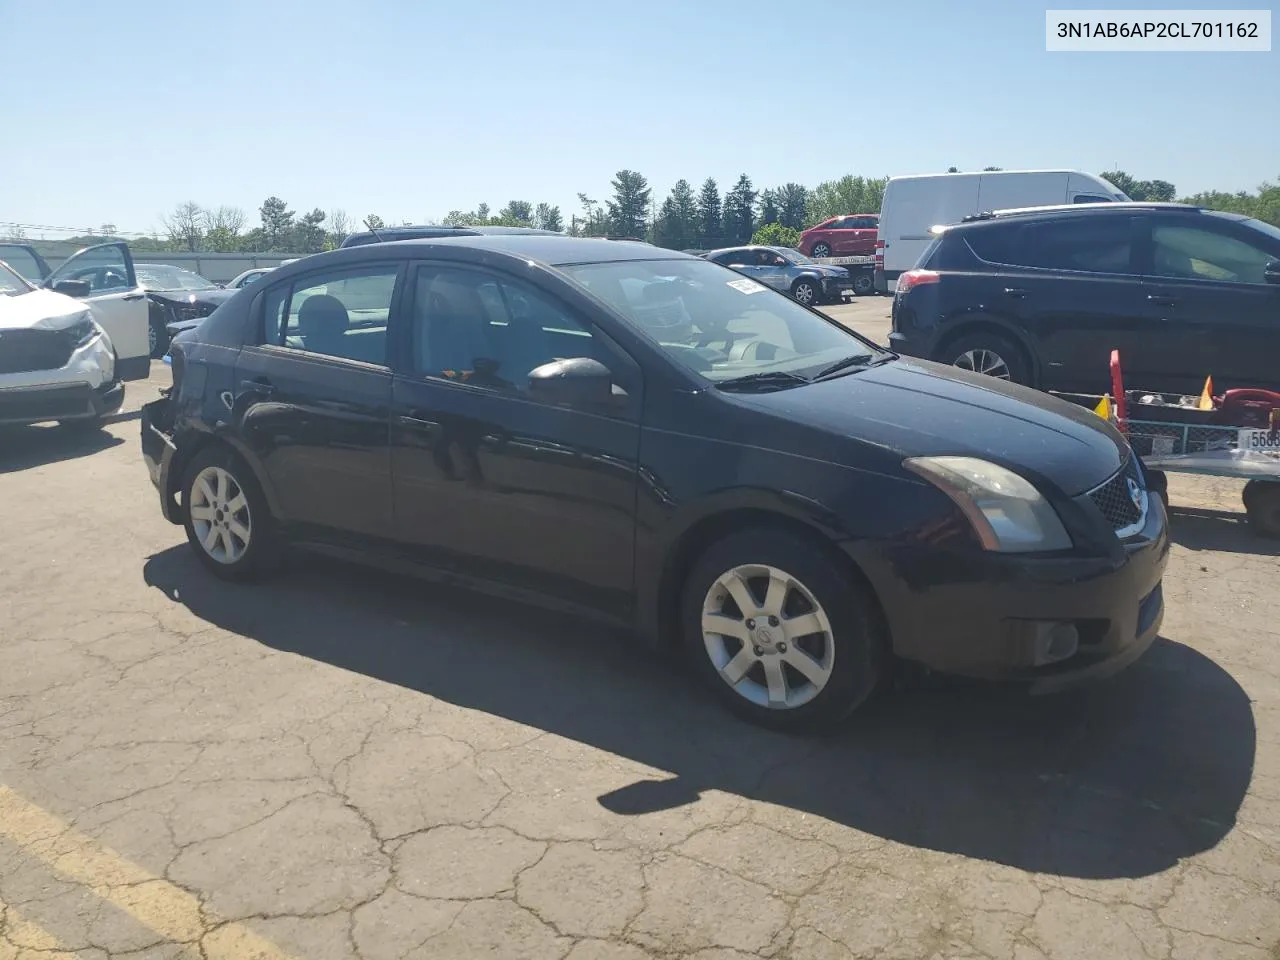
(375, 233)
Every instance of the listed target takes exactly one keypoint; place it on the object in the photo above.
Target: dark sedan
(179, 299)
(613, 427)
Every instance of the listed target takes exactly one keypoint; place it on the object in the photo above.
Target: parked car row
(789, 271)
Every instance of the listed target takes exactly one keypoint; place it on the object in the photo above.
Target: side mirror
(1271, 272)
(73, 288)
(576, 382)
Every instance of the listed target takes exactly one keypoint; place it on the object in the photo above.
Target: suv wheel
(989, 354)
(227, 521)
(821, 249)
(1262, 501)
(157, 337)
(776, 631)
(805, 291)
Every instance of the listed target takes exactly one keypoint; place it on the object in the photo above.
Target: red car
(847, 236)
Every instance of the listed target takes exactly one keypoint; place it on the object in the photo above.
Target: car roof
(554, 249)
(1081, 209)
(432, 230)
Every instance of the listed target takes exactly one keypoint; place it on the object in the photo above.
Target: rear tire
(863, 285)
(990, 354)
(1262, 502)
(157, 337)
(808, 652)
(228, 523)
(821, 249)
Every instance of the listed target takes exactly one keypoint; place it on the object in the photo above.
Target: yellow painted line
(155, 903)
(20, 939)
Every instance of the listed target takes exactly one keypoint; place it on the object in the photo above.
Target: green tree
(953, 169)
(677, 223)
(517, 213)
(776, 235)
(770, 212)
(1136, 189)
(547, 217)
(594, 222)
(185, 226)
(847, 195)
(791, 205)
(277, 224)
(373, 222)
(710, 215)
(340, 226)
(309, 235)
(629, 205)
(1263, 205)
(739, 211)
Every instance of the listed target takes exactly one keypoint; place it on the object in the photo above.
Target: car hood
(826, 270)
(39, 310)
(212, 295)
(917, 408)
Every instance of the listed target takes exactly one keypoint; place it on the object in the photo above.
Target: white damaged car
(56, 362)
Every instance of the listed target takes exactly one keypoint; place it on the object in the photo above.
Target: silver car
(789, 271)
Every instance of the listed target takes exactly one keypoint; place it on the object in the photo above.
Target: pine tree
(630, 204)
(739, 211)
(710, 220)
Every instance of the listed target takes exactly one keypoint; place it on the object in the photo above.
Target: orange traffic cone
(1206, 396)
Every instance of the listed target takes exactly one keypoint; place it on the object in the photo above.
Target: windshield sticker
(746, 286)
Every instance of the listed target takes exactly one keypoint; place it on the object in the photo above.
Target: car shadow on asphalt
(22, 448)
(1227, 531)
(1121, 779)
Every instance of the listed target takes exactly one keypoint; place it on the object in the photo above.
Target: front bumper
(158, 451)
(985, 615)
(834, 287)
(69, 401)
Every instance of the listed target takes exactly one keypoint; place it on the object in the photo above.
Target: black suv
(1042, 296)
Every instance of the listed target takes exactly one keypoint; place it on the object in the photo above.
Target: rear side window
(1193, 253)
(994, 243)
(1091, 245)
(342, 313)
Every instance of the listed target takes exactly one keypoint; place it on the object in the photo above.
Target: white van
(912, 205)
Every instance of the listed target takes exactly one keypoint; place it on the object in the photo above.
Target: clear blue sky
(411, 109)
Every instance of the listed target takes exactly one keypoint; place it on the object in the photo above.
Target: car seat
(323, 324)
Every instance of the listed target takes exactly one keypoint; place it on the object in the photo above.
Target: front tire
(781, 637)
(863, 285)
(227, 520)
(157, 336)
(1262, 503)
(821, 249)
(806, 291)
(989, 354)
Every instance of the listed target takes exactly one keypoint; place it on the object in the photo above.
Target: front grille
(25, 350)
(1113, 498)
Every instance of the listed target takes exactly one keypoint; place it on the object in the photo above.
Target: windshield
(792, 256)
(717, 322)
(158, 276)
(11, 284)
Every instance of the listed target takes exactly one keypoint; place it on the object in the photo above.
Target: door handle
(263, 389)
(1162, 301)
(134, 296)
(1016, 292)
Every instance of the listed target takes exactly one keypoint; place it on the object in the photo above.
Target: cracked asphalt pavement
(345, 764)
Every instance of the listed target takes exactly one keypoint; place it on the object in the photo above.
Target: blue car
(789, 271)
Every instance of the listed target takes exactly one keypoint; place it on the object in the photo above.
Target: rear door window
(1088, 245)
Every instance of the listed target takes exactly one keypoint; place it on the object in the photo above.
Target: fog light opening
(1056, 642)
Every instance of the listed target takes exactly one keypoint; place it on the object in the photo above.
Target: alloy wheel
(220, 515)
(805, 293)
(821, 250)
(153, 339)
(986, 362)
(767, 636)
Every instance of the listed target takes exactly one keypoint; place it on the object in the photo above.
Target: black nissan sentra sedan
(616, 427)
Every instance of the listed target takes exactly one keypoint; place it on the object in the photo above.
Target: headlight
(1008, 514)
(82, 331)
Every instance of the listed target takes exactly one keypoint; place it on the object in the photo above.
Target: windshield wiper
(857, 360)
(765, 379)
